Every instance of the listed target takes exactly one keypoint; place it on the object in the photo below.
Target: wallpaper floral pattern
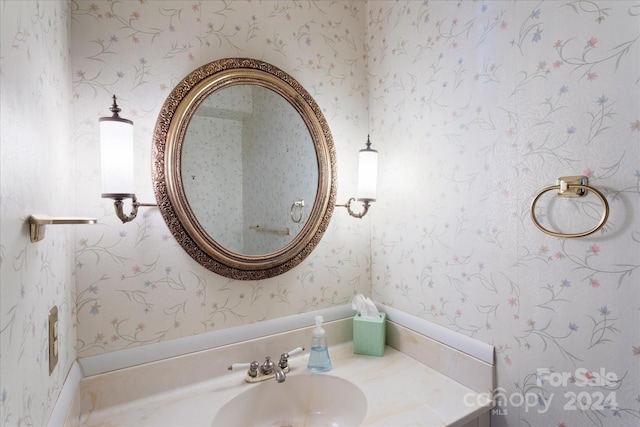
(132, 284)
(36, 164)
(475, 107)
(135, 284)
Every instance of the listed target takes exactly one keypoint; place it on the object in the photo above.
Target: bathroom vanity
(418, 381)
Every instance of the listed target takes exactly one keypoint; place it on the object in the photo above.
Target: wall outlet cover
(53, 338)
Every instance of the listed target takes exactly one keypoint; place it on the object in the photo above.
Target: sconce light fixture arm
(365, 207)
(118, 205)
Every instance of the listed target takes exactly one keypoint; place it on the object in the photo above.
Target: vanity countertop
(399, 390)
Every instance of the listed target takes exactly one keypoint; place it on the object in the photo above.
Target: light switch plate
(53, 338)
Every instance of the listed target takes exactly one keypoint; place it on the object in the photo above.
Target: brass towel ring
(300, 205)
(571, 186)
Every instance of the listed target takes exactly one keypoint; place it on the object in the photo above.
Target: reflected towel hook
(300, 205)
(571, 186)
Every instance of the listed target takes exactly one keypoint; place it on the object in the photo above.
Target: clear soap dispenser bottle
(319, 360)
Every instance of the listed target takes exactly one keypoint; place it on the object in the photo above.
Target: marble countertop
(399, 390)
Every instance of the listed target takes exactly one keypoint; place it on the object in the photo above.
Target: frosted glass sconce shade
(367, 174)
(367, 180)
(116, 151)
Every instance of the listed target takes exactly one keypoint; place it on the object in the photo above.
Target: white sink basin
(302, 400)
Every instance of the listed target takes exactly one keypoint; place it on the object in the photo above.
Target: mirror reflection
(248, 166)
(244, 168)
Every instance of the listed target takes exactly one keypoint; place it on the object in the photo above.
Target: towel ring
(571, 186)
(300, 205)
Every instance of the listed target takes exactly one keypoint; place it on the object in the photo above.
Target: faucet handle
(267, 366)
(295, 351)
(284, 361)
(236, 366)
(284, 357)
(253, 369)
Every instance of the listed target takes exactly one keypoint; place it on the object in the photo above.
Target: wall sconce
(116, 151)
(367, 180)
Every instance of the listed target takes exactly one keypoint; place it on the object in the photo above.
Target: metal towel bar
(283, 231)
(571, 186)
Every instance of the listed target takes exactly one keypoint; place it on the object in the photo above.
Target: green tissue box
(369, 335)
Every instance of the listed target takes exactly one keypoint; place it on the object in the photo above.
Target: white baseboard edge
(463, 343)
(106, 362)
(65, 398)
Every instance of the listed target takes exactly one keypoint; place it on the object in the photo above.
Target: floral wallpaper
(475, 106)
(135, 284)
(36, 177)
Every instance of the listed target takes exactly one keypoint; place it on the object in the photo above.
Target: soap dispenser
(319, 360)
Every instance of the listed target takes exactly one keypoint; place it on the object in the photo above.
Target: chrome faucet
(267, 370)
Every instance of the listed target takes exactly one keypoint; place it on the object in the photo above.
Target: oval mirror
(244, 168)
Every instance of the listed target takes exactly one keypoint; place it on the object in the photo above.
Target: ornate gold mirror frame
(168, 139)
